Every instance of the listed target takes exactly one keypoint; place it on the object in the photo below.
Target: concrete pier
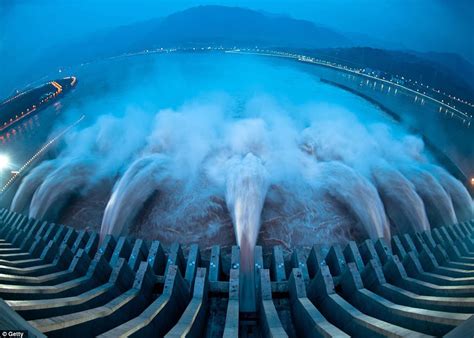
(59, 282)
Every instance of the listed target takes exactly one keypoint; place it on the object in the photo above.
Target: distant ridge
(244, 26)
(203, 26)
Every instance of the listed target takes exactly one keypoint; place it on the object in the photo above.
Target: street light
(4, 161)
(4, 164)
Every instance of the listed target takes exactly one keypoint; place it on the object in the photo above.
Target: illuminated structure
(30, 102)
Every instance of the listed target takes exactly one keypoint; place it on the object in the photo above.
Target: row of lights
(302, 57)
(356, 70)
(286, 54)
(343, 67)
(6, 161)
(33, 107)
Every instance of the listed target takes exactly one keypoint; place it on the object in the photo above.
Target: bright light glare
(4, 161)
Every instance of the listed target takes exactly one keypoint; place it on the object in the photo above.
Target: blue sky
(424, 25)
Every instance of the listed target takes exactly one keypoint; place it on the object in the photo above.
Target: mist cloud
(202, 153)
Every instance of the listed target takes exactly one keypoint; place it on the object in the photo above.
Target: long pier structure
(61, 282)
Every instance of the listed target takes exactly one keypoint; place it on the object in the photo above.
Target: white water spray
(403, 206)
(29, 184)
(356, 193)
(203, 128)
(59, 186)
(246, 188)
(138, 183)
(438, 205)
(462, 201)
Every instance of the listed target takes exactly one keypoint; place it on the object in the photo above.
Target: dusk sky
(423, 25)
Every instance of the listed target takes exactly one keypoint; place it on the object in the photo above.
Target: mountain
(361, 39)
(202, 26)
(244, 26)
(452, 62)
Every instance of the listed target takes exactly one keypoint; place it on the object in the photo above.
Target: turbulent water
(266, 147)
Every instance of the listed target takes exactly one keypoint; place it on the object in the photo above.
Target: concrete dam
(57, 281)
(272, 195)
